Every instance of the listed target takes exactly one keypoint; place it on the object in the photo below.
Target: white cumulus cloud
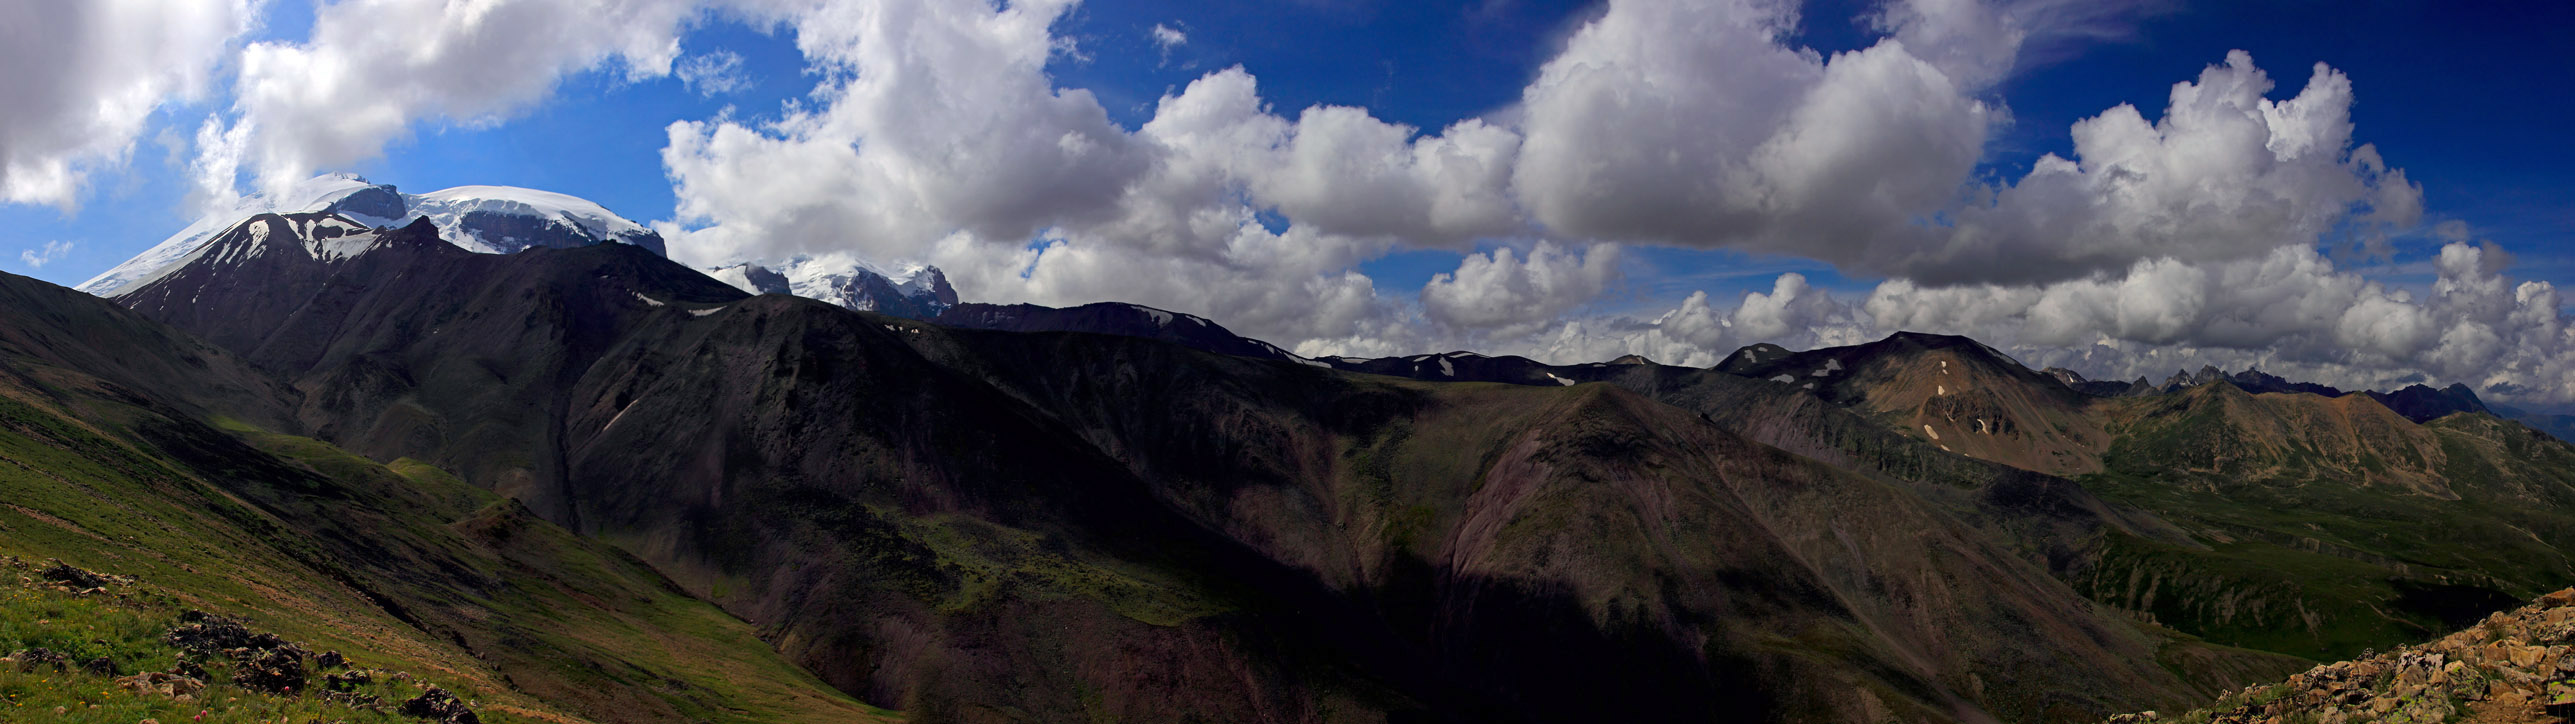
(1634, 134)
(1513, 294)
(373, 68)
(85, 77)
(938, 136)
(935, 133)
(938, 118)
(2227, 173)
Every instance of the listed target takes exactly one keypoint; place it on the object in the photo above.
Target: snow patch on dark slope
(322, 237)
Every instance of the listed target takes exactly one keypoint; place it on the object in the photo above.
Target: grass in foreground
(79, 655)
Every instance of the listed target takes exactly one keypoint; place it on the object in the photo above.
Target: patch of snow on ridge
(736, 276)
(1784, 379)
(348, 238)
(1451, 370)
(312, 194)
(621, 414)
(258, 235)
(704, 312)
(1560, 380)
(342, 247)
(647, 300)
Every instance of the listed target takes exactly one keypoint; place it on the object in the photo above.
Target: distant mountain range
(2416, 402)
(2419, 403)
(505, 220)
(917, 292)
(577, 481)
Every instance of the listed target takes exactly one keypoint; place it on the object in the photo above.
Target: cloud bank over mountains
(935, 133)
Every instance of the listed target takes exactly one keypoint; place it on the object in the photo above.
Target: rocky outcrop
(2186, 380)
(2514, 667)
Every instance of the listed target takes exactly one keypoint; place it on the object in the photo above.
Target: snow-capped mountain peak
(918, 291)
(322, 236)
(484, 219)
(508, 219)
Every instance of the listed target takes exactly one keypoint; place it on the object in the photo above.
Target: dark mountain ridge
(2416, 402)
(1111, 318)
(1118, 512)
(2356, 459)
(1084, 525)
(137, 450)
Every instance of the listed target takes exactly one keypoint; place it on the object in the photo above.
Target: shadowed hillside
(400, 566)
(2293, 521)
(1081, 526)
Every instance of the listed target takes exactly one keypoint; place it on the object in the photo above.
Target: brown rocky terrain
(1953, 392)
(2516, 667)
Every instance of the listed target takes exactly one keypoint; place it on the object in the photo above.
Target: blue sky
(2468, 98)
(2465, 98)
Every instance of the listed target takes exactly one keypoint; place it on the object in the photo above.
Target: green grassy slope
(2294, 523)
(108, 635)
(2324, 527)
(399, 565)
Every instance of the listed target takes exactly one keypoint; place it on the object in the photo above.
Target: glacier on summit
(508, 220)
(916, 291)
(483, 219)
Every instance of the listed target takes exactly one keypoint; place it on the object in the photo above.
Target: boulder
(439, 706)
(163, 684)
